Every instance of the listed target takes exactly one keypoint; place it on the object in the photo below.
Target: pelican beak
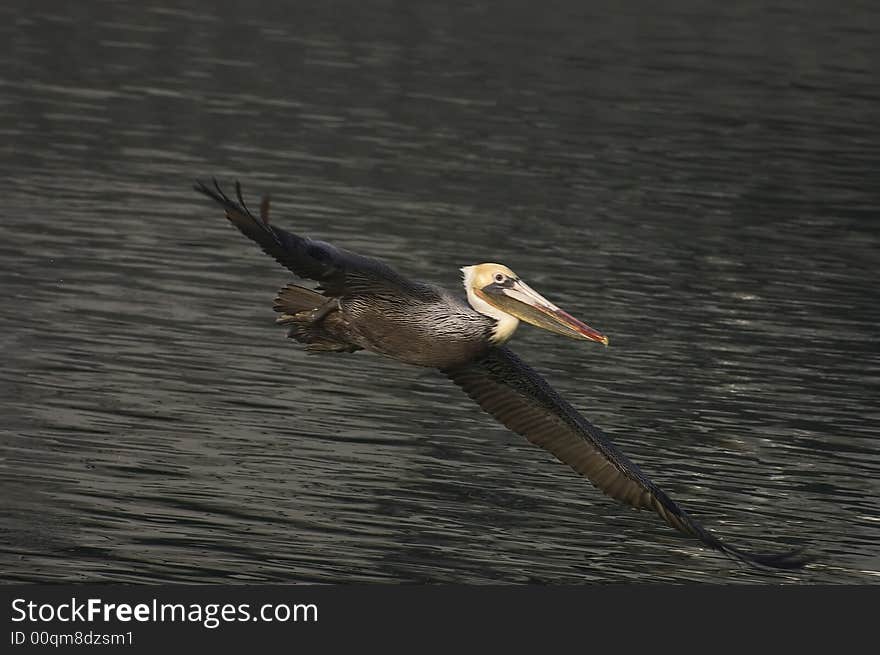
(517, 298)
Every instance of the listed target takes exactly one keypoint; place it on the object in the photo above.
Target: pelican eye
(499, 277)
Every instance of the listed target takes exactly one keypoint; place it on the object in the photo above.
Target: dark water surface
(703, 185)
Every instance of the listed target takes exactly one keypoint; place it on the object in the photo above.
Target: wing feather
(512, 392)
(338, 272)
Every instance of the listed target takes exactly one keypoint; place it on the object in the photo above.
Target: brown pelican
(362, 304)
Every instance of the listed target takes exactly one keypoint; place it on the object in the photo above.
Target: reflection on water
(700, 186)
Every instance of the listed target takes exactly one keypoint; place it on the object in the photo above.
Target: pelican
(362, 304)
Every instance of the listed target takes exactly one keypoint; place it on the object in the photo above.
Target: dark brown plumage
(511, 391)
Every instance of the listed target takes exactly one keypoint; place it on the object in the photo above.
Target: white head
(497, 292)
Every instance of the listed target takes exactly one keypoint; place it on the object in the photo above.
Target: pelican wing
(338, 272)
(505, 387)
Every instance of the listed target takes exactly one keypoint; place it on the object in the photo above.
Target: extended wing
(522, 400)
(338, 272)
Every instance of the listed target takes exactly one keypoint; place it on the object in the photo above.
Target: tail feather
(293, 299)
(296, 307)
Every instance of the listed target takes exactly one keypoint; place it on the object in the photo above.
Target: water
(699, 184)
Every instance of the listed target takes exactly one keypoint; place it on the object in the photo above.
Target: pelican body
(363, 304)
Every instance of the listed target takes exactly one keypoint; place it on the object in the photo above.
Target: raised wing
(337, 271)
(504, 386)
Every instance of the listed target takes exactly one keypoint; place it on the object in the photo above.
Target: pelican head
(497, 292)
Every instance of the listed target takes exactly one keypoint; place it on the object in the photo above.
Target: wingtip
(203, 188)
(217, 193)
(791, 560)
